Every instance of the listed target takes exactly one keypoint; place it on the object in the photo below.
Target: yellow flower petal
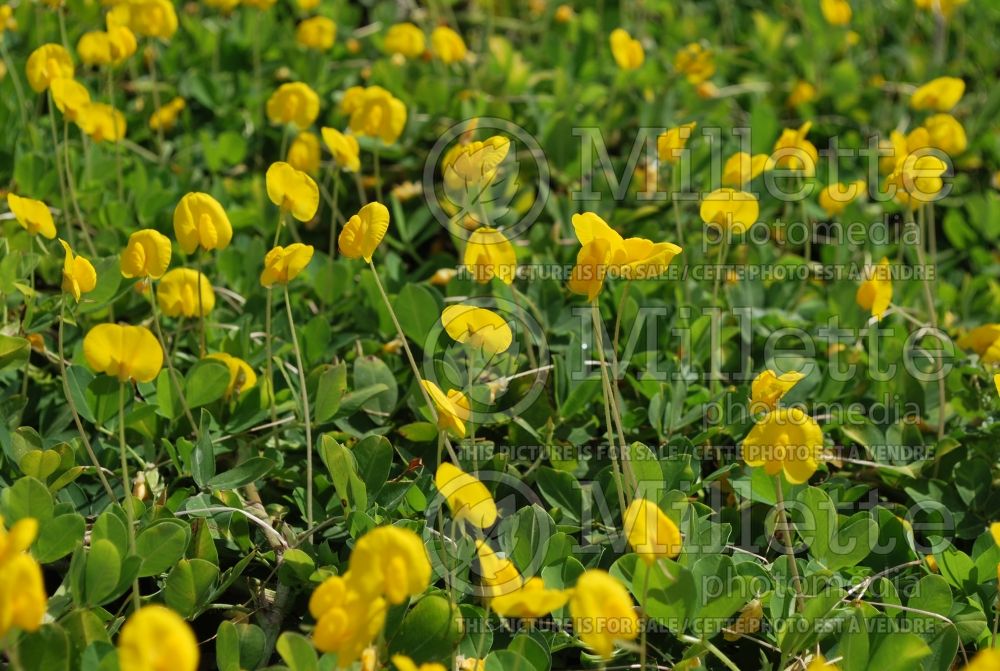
(364, 231)
(467, 497)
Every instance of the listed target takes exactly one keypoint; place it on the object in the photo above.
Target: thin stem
(378, 175)
(72, 407)
(18, 90)
(268, 335)
(932, 314)
(616, 466)
(71, 183)
(304, 395)
(171, 371)
(618, 319)
(127, 484)
(55, 149)
(201, 310)
(789, 530)
(334, 211)
(118, 145)
(156, 100)
(645, 619)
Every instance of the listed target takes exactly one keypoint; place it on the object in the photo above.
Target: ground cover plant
(499, 336)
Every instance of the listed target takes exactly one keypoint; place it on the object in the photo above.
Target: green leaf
(373, 455)
(331, 389)
(58, 537)
(189, 585)
(417, 309)
(429, 631)
(104, 567)
(898, 651)
(27, 497)
(206, 382)
(79, 378)
(562, 491)
(244, 473)
(160, 545)
(296, 567)
(297, 651)
(227, 647)
(14, 352)
(47, 648)
(368, 371)
(203, 455)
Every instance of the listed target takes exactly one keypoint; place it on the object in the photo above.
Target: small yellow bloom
(499, 576)
(942, 7)
(344, 148)
(939, 94)
(147, 254)
(786, 440)
(293, 103)
(374, 112)
(627, 51)
(472, 664)
(819, 663)
(33, 215)
(363, 232)
(987, 659)
(836, 12)
(749, 621)
(730, 209)
(390, 561)
(79, 275)
(155, 638)
(150, 18)
(917, 178)
(932, 564)
(283, 264)
(184, 292)
(891, 151)
(404, 663)
(768, 388)
(304, 153)
(489, 254)
(124, 352)
(835, 198)
(794, 152)
(292, 190)
(995, 528)
(347, 620)
(467, 497)
(741, 168)
(563, 14)
(944, 132)
(802, 93)
(405, 39)
(477, 327)
(875, 292)
(996, 381)
(101, 122)
(670, 144)
(651, 533)
(123, 41)
(983, 340)
(22, 589)
(47, 63)
(695, 62)
(530, 601)
(94, 48)
(200, 221)
(165, 118)
(452, 409)
(241, 375)
(448, 45)
(7, 20)
(592, 261)
(442, 276)
(70, 96)
(474, 165)
(317, 32)
(602, 612)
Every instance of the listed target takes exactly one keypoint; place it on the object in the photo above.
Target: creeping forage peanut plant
(492, 336)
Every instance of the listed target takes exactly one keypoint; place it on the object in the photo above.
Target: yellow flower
(200, 221)
(317, 32)
(241, 375)
(33, 215)
(996, 381)
(79, 275)
(404, 663)
(452, 409)
(489, 254)
(102, 122)
(293, 103)
(94, 48)
(741, 168)
(670, 144)
(448, 45)
(22, 589)
(530, 601)
(794, 152)
(443, 276)
(749, 621)
(472, 664)
(165, 118)
(836, 12)
(364, 231)
(124, 352)
(786, 440)
(835, 198)
(390, 561)
(151, 18)
(939, 94)
(7, 20)
(122, 40)
(768, 388)
(146, 255)
(563, 14)
(283, 264)
(304, 153)
(292, 190)
(995, 528)
(941, 131)
(651, 534)
(983, 340)
(477, 327)
(695, 62)
(892, 151)
(730, 209)
(46, 63)
(602, 612)
(374, 112)
(942, 7)
(875, 293)
(629, 259)
(802, 93)
(70, 96)
(467, 497)
(592, 261)
(499, 576)
(474, 164)
(917, 178)
(406, 39)
(347, 621)
(819, 663)
(177, 294)
(627, 51)
(155, 638)
(344, 148)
